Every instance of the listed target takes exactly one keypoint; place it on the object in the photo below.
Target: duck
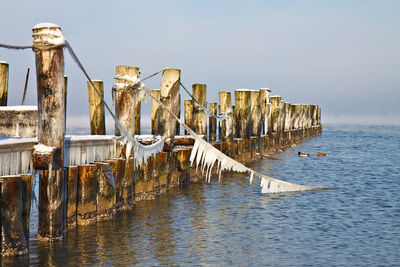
(320, 154)
(302, 154)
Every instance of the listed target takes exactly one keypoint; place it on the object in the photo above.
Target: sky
(342, 55)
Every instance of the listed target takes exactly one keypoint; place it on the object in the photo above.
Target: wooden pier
(85, 179)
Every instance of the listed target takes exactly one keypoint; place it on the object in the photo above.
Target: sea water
(232, 223)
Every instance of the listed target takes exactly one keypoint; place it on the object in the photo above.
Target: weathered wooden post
(264, 98)
(72, 194)
(13, 242)
(199, 115)
(124, 99)
(87, 194)
(287, 108)
(314, 115)
(154, 111)
(319, 116)
(282, 115)
(169, 96)
(275, 110)
(242, 106)
(178, 126)
(292, 117)
(48, 156)
(105, 191)
(96, 108)
(255, 107)
(3, 83)
(227, 127)
(188, 106)
(26, 187)
(212, 121)
(243, 119)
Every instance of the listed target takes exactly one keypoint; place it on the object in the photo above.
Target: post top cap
(269, 90)
(45, 25)
(3, 62)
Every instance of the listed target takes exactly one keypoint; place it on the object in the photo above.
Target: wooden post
(227, 128)
(255, 107)
(275, 110)
(287, 107)
(96, 108)
(264, 98)
(26, 186)
(87, 194)
(199, 115)
(281, 116)
(178, 126)
(128, 190)
(242, 105)
(169, 96)
(48, 45)
(319, 116)
(154, 111)
(13, 242)
(65, 94)
(213, 122)
(292, 117)
(72, 177)
(124, 100)
(188, 114)
(105, 191)
(3, 83)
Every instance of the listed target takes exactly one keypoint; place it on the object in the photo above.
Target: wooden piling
(264, 98)
(96, 108)
(124, 99)
(243, 119)
(49, 59)
(72, 177)
(26, 186)
(212, 122)
(169, 96)
(319, 116)
(188, 106)
(275, 110)
(199, 115)
(3, 83)
(128, 190)
(105, 191)
(292, 117)
(154, 111)
(13, 242)
(178, 125)
(227, 132)
(287, 120)
(87, 194)
(255, 110)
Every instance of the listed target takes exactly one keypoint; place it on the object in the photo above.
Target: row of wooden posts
(71, 195)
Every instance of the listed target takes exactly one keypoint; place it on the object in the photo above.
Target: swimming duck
(302, 154)
(320, 154)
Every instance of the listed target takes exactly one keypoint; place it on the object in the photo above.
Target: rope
(16, 47)
(152, 75)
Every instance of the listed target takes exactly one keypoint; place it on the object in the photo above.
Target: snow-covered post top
(3, 83)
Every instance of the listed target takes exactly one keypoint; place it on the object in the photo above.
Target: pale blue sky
(342, 55)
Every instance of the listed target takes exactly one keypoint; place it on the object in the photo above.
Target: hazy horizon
(342, 55)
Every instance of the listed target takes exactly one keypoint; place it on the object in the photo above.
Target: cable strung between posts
(208, 113)
(141, 152)
(16, 47)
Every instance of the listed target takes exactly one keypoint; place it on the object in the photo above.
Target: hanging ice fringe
(205, 156)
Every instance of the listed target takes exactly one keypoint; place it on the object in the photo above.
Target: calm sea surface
(232, 223)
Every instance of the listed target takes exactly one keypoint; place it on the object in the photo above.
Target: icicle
(251, 177)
